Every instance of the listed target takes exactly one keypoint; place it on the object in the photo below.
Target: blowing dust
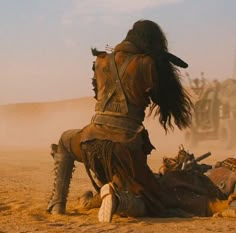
(37, 125)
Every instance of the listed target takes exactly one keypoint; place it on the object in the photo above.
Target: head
(147, 36)
(169, 99)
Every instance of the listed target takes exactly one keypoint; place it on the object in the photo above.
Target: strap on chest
(117, 74)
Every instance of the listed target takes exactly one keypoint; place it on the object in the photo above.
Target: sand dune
(27, 130)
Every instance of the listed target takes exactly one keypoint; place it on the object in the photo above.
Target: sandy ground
(26, 171)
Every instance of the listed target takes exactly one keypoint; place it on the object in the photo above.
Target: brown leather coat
(136, 81)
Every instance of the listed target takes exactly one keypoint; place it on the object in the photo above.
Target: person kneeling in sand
(139, 74)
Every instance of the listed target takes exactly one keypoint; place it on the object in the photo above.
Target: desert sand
(26, 171)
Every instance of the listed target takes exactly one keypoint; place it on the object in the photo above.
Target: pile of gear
(222, 174)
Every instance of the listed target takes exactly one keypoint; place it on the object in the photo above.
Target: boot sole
(107, 208)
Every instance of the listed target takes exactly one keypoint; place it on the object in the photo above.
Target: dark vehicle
(214, 115)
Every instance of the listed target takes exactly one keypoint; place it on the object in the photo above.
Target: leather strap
(117, 75)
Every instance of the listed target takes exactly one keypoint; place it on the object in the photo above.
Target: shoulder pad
(97, 53)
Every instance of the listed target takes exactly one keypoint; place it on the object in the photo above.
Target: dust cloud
(37, 125)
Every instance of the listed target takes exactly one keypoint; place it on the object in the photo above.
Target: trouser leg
(64, 164)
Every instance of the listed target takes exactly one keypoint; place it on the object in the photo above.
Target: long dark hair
(168, 98)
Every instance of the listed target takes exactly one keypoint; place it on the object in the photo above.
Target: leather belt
(118, 122)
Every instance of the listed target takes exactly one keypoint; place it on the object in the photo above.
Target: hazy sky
(45, 44)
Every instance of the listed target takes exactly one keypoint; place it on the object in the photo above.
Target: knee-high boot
(64, 167)
(130, 205)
